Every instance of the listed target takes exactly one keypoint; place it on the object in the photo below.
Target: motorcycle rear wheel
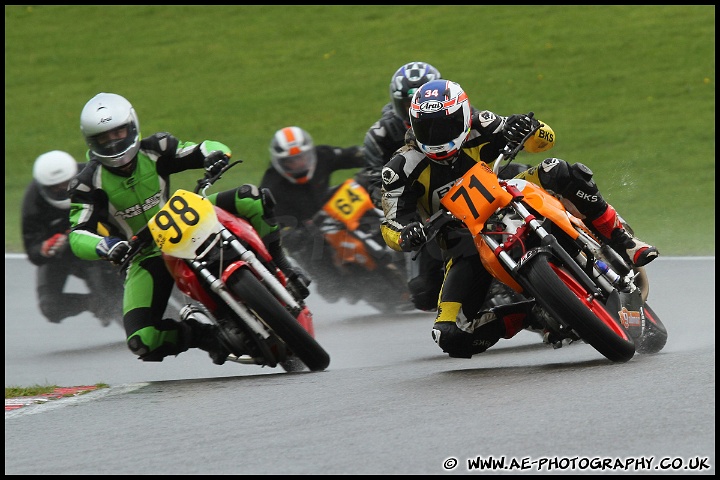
(655, 336)
(559, 292)
(245, 287)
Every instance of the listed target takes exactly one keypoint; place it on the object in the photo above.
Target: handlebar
(442, 219)
(439, 222)
(508, 154)
(204, 183)
(143, 237)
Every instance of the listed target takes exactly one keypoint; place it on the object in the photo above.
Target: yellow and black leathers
(413, 185)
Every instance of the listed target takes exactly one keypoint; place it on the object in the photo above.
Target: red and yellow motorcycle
(220, 261)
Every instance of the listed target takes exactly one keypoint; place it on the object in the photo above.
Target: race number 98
(173, 214)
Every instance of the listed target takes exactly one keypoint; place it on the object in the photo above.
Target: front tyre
(562, 294)
(248, 289)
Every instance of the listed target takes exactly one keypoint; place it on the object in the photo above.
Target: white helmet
(293, 154)
(53, 171)
(111, 129)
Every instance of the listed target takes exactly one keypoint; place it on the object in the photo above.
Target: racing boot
(483, 332)
(298, 281)
(203, 335)
(513, 317)
(612, 231)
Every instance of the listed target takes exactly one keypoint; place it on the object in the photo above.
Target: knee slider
(579, 179)
(265, 196)
(268, 200)
(136, 346)
(582, 191)
(581, 172)
(268, 204)
(226, 199)
(453, 341)
(248, 190)
(169, 337)
(573, 182)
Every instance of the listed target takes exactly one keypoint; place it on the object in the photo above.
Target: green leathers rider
(125, 183)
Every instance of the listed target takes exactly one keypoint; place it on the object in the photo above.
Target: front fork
(249, 258)
(548, 242)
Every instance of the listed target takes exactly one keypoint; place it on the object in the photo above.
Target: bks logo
(543, 135)
(586, 196)
(441, 191)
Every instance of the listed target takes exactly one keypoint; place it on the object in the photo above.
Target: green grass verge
(36, 390)
(629, 90)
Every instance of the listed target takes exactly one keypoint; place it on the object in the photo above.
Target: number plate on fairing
(183, 224)
(349, 203)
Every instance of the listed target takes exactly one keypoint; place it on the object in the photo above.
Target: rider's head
(405, 81)
(440, 118)
(111, 129)
(53, 171)
(293, 155)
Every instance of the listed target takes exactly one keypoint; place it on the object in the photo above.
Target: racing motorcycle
(220, 262)
(342, 249)
(528, 240)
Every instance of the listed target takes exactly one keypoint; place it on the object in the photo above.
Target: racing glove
(516, 127)
(412, 237)
(53, 245)
(216, 161)
(113, 249)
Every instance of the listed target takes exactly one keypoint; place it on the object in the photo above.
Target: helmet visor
(114, 142)
(300, 165)
(56, 192)
(401, 106)
(437, 130)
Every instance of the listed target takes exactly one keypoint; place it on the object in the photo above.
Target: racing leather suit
(125, 202)
(382, 140)
(296, 204)
(42, 220)
(413, 186)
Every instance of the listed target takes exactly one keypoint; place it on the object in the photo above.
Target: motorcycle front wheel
(559, 292)
(246, 288)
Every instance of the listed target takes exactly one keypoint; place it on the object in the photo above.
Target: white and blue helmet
(440, 117)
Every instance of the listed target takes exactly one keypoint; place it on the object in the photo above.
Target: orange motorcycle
(342, 249)
(530, 242)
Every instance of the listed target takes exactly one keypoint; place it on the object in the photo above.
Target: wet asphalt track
(390, 403)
